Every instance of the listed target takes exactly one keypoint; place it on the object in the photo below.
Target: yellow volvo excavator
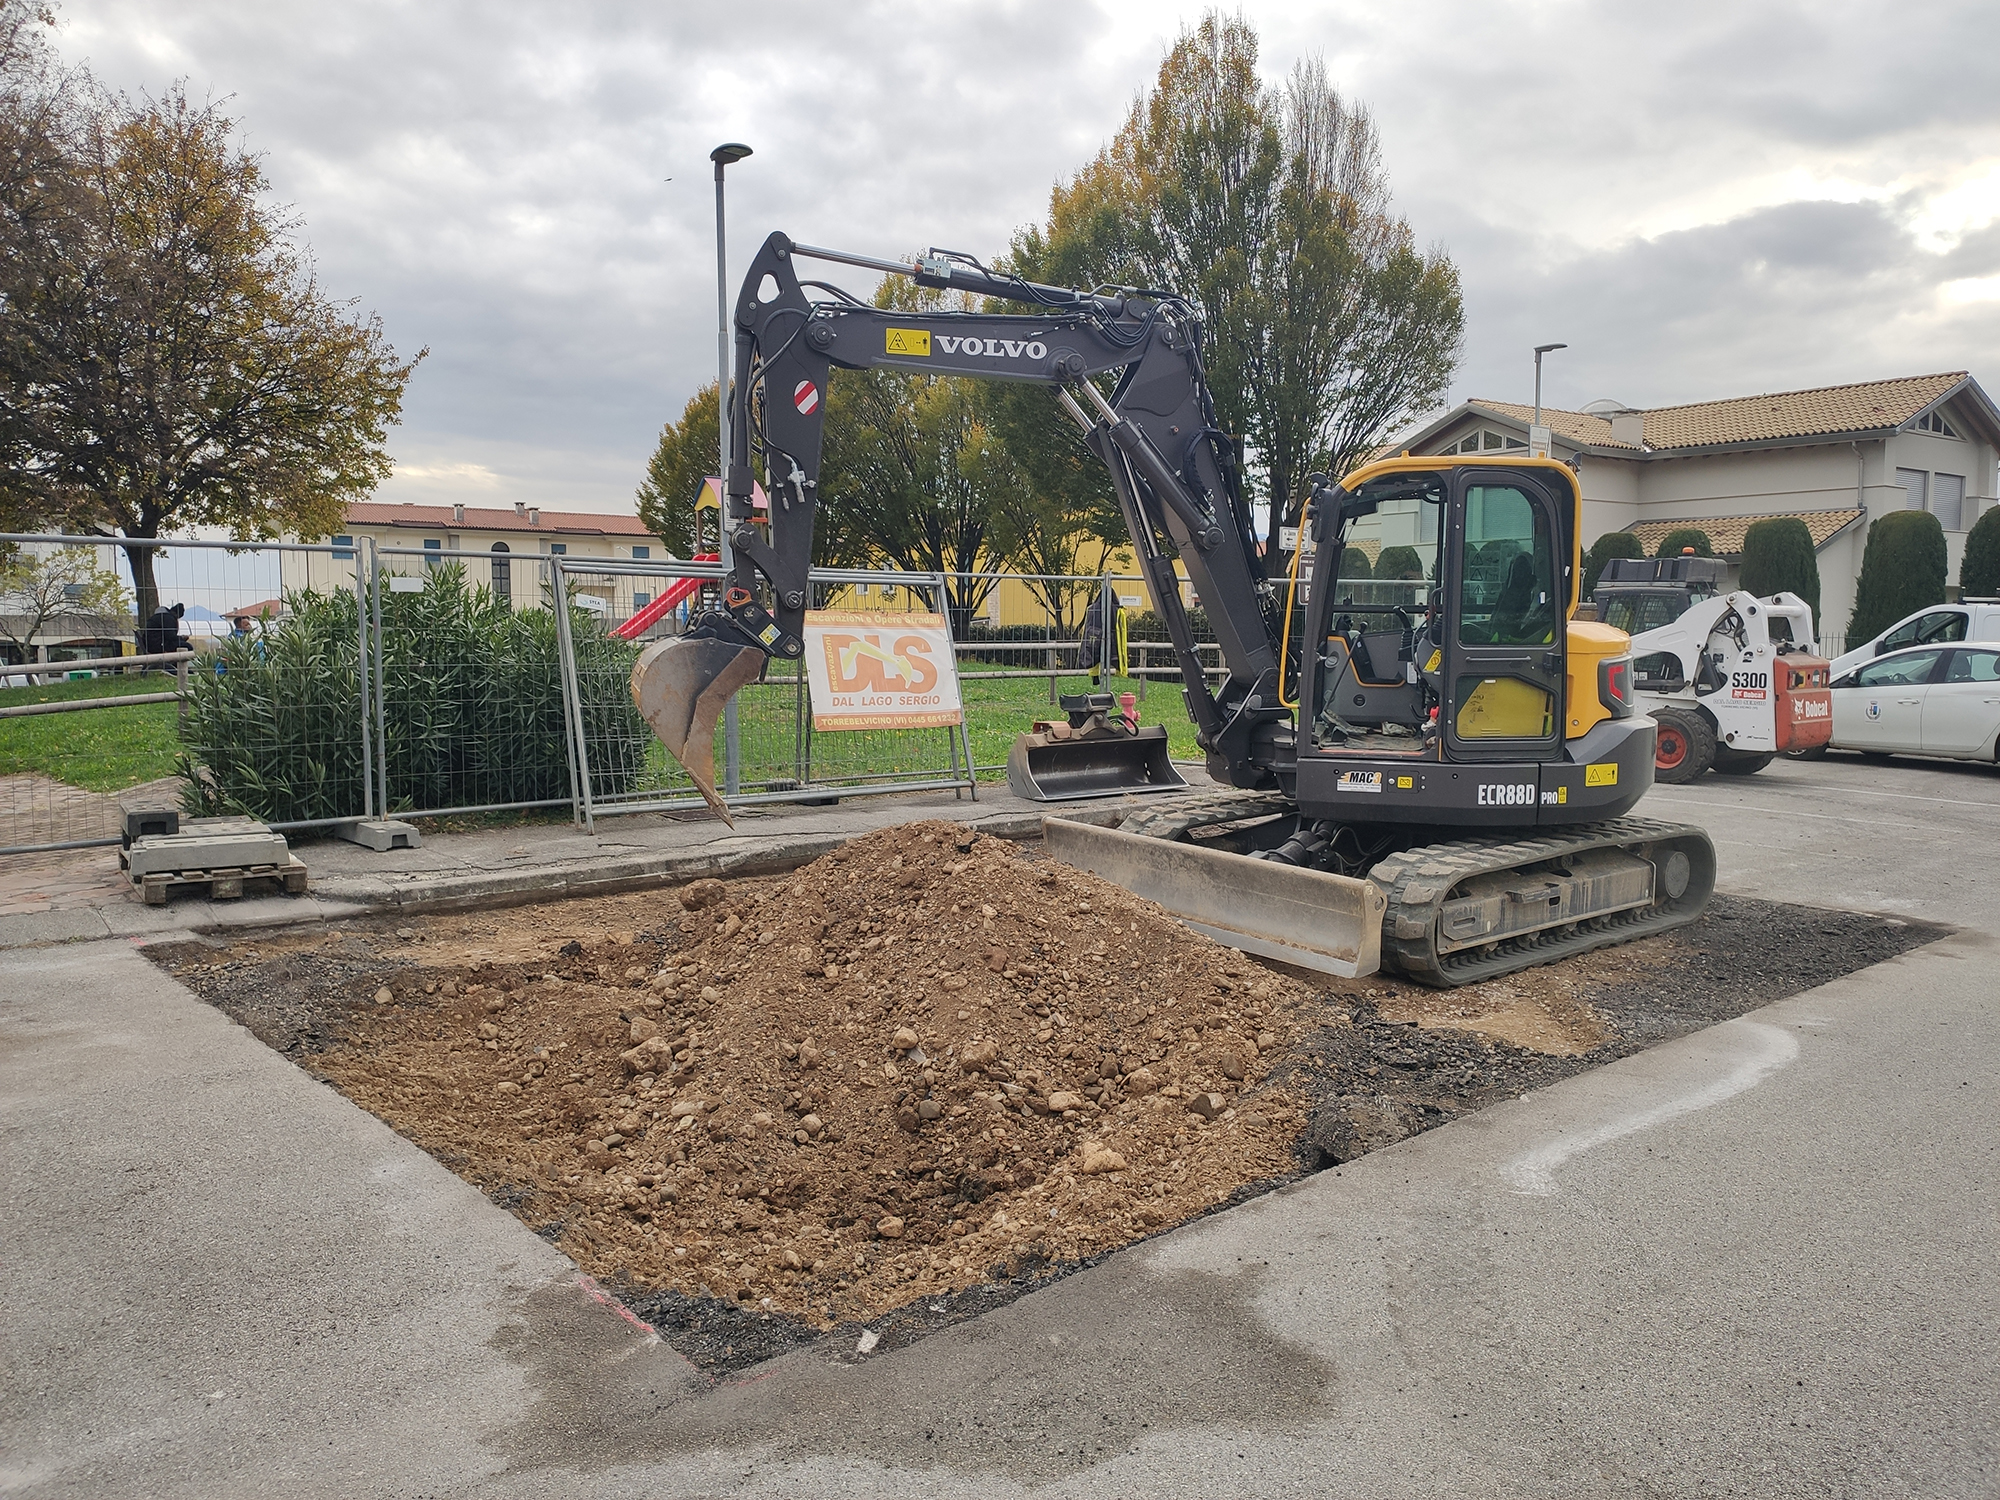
(1438, 782)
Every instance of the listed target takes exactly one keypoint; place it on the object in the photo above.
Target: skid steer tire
(1684, 748)
(1742, 762)
(1815, 752)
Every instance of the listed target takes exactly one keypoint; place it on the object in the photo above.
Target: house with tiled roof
(1836, 457)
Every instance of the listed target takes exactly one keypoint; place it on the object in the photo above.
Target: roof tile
(1871, 405)
(1725, 533)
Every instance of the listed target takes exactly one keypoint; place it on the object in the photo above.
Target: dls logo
(862, 664)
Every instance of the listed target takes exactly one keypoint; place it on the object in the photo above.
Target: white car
(1922, 700)
(1940, 625)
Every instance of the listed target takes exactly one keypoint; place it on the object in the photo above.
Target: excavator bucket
(1045, 768)
(1308, 918)
(681, 687)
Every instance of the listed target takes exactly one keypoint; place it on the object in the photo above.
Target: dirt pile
(923, 1062)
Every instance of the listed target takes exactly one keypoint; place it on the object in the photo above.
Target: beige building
(1837, 458)
(499, 549)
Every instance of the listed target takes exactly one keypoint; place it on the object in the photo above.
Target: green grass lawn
(103, 751)
(114, 749)
(996, 710)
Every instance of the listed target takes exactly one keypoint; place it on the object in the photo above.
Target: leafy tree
(1611, 544)
(167, 357)
(1677, 541)
(1779, 557)
(66, 584)
(684, 457)
(1268, 209)
(1979, 573)
(909, 465)
(1354, 563)
(1054, 517)
(1400, 564)
(1902, 571)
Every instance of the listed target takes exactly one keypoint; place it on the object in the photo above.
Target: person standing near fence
(162, 631)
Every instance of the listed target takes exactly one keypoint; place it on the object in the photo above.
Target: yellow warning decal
(1562, 794)
(908, 341)
(1404, 783)
(1436, 661)
(1603, 774)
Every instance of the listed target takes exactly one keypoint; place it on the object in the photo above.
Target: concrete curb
(344, 896)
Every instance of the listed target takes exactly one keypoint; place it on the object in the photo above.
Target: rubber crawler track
(1419, 881)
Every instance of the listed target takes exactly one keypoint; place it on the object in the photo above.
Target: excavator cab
(1459, 687)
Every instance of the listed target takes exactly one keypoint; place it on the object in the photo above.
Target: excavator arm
(1173, 470)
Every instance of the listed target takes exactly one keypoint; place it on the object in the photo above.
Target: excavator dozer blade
(1307, 918)
(681, 687)
(1044, 769)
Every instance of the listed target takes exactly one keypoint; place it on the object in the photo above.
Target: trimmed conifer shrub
(1677, 541)
(1779, 557)
(1400, 565)
(1979, 574)
(1354, 563)
(1902, 571)
(1611, 544)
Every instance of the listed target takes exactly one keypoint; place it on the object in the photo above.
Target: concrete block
(235, 849)
(381, 834)
(150, 822)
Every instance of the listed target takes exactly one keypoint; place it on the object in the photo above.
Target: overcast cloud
(1739, 197)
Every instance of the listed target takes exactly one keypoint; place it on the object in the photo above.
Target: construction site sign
(872, 670)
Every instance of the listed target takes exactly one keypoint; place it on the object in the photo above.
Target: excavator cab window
(1368, 685)
(1505, 669)
(1508, 590)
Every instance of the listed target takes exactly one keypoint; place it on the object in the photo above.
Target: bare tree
(67, 584)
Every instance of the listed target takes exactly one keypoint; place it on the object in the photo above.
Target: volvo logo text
(994, 348)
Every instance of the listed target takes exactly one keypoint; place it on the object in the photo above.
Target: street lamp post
(1540, 349)
(723, 156)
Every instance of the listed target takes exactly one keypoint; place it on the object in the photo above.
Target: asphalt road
(1759, 1260)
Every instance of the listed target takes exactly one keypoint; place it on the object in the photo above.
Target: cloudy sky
(1739, 197)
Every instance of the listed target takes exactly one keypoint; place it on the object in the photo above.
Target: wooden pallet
(222, 885)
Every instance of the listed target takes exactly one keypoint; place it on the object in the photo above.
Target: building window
(640, 601)
(642, 552)
(1486, 441)
(557, 549)
(433, 551)
(343, 549)
(1933, 421)
(1916, 487)
(1948, 500)
(503, 574)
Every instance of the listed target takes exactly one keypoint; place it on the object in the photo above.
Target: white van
(1941, 624)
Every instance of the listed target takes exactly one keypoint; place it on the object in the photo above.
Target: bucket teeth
(681, 687)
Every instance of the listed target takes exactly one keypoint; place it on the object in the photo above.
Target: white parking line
(1786, 812)
(1765, 1049)
(1859, 791)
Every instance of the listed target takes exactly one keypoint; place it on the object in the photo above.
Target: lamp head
(729, 153)
(1545, 348)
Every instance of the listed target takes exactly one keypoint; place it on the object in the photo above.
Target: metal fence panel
(265, 707)
(470, 710)
(623, 767)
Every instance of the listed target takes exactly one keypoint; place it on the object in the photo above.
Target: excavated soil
(926, 1072)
